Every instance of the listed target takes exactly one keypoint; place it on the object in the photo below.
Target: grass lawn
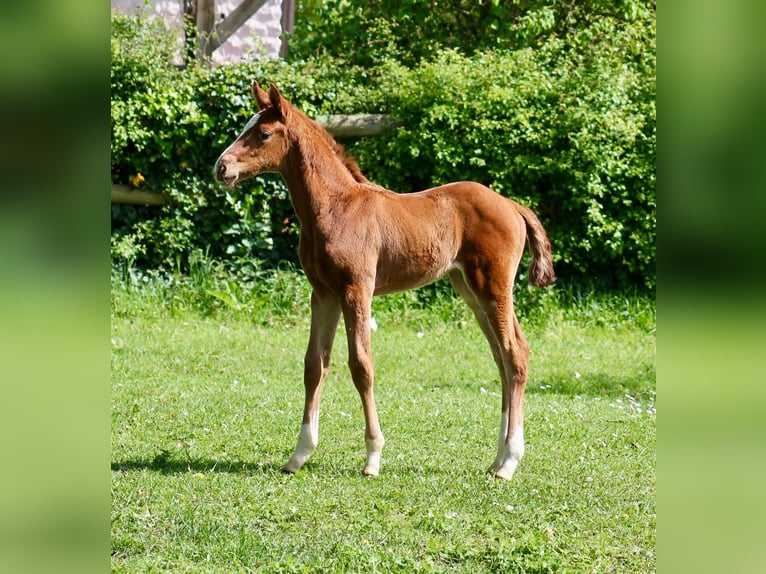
(206, 410)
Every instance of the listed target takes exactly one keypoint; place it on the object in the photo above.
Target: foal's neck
(315, 175)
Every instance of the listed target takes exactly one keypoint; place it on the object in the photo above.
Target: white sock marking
(308, 439)
(509, 452)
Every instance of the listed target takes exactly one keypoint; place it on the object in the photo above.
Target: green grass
(205, 409)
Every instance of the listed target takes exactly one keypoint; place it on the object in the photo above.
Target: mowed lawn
(205, 411)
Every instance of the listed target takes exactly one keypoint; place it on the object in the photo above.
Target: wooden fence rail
(354, 125)
(127, 195)
(357, 125)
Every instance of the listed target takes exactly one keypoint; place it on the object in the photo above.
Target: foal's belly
(396, 276)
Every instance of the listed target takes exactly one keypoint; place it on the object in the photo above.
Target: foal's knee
(361, 367)
(314, 367)
(317, 357)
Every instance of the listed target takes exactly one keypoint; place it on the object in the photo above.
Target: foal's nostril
(220, 171)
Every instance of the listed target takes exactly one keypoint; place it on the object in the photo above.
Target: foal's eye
(263, 136)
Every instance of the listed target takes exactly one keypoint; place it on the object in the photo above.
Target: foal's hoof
(503, 473)
(371, 471)
(506, 476)
(290, 467)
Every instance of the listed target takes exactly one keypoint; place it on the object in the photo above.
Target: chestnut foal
(358, 240)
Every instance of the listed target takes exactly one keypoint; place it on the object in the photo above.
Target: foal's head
(262, 145)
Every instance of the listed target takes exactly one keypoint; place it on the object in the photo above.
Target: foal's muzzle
(221, 171)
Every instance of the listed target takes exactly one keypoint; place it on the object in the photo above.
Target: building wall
(258, 37)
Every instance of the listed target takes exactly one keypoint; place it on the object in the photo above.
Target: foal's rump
(496, 227)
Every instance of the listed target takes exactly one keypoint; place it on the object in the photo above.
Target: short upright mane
(347, 160)
(340, 152)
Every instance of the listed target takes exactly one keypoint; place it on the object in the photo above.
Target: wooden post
(234, 20)
(288, 24)
(205, 24)
(354, 125)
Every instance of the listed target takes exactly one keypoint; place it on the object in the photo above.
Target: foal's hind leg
(459, 284)
(515, 352)
(493, 307)
(325, 312)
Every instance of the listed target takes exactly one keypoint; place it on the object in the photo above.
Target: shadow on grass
(164, 465)
(161, 464)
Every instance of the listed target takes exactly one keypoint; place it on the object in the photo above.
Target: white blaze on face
(250, 123)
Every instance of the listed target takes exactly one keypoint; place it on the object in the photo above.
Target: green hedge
(575, 141)
(411, 31)
(567, 127)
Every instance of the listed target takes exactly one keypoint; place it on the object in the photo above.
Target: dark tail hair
(541, 270)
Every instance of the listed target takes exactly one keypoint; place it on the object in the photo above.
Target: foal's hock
(358, 240)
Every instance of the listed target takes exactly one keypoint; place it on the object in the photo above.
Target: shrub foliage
(557, 109)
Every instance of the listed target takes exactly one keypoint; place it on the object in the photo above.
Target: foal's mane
(348, 161)
(340, 152)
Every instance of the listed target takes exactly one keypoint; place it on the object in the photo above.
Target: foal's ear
(261, 96)
(279, 104)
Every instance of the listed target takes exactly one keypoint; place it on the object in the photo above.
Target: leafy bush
(574, 139)
(564, 124)
(411, 31)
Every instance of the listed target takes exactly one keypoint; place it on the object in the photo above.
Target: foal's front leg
(356, 313)
(325, 312)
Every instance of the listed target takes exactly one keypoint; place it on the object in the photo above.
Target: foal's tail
(541, 270)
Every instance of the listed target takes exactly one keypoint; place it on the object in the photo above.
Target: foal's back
(415, 238)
